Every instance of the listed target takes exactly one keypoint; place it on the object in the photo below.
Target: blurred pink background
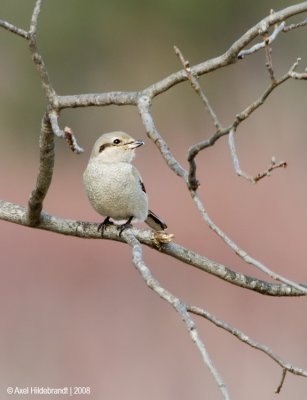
(75, 312)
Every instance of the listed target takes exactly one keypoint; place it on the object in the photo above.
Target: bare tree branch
(282, 380)
(67, 134)
(144, 105)
(196, 86)
(97, 99)
(240, 252)
(236, 163)
(177, 304)
(193, 182)
(34, 17)
(295, 26)
(250, 342)
(229, 57)
(36, 57)
(35, 204)
(298, 75)
(12, 28)
(248, 111)
(267, 41)
(18, 214)
(268, 56)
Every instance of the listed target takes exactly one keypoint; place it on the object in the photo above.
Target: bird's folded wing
(155, 222)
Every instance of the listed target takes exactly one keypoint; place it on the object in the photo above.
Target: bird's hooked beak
(135, 144)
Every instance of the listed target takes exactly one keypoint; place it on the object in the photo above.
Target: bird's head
(115, 147)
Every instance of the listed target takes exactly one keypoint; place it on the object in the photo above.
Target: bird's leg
(124, 226)
(104, 224)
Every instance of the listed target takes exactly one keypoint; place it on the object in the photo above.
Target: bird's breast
(114, 190)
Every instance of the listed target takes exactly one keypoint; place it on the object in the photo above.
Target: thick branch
(98, 99)
(18, 214)
(131, 98)
(229, 57)
(45, 172)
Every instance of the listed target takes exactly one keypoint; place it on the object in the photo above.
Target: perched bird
(114, 186)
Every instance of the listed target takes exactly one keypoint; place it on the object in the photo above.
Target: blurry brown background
(76, 312)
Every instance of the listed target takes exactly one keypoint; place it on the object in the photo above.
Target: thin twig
(256, 104)
(193, 182)
(243, 115)
(66, 134)
(193, 151)
(274, 165)
(72, 141)
(240, 252)
(196, 86)
(240, 117)
(250, 342)
(268, 56)
(36, 56)
(298, 75)
(295, 26)
(34, 17)
(268, 40)
(12, 28)
(236, 163)
(282, 380)
(247, 112)
(235, 158)
(177, 304)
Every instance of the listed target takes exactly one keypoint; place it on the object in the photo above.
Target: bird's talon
(122, 227)
(106, 222)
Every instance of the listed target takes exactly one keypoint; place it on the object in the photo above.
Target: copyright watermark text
(35, 390)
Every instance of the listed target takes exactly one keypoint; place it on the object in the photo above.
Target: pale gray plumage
(114, 186)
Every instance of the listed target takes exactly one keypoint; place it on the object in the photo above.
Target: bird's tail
(155, 222)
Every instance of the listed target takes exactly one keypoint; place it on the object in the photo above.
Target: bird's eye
(116, 141)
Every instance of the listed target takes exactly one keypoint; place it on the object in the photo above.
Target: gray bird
(114, 186)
